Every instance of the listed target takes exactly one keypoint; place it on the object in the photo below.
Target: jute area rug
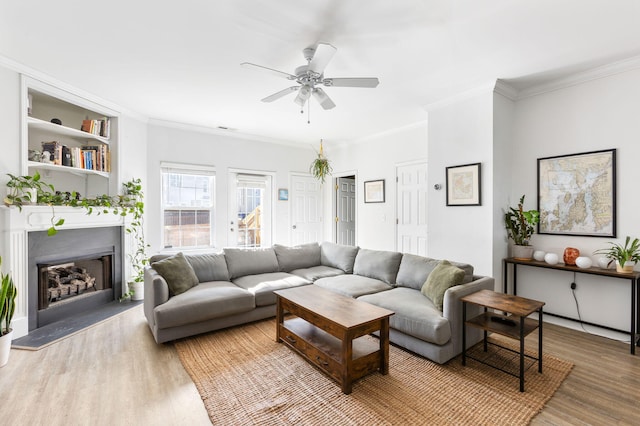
(246, 378)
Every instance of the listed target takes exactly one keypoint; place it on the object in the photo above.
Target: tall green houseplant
(520, 223)
(8, 295)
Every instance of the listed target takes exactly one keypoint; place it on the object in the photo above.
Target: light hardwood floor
(115, 374)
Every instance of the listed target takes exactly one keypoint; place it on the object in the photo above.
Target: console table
(633, 277)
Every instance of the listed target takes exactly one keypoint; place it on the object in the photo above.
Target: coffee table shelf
(330, 331)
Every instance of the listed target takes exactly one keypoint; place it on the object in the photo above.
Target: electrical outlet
(573, 286)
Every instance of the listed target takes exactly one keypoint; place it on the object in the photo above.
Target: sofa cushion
(443, 276)
(352, 285)
(298, 257)
(414, 270)
(317, 272)
(204, 302)
(378, 264)
(263, 285)
(209, 267)
(177, 272)
(415, 314)
(242, 262)
(338, 256)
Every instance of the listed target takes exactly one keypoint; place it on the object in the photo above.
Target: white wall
(10, 126)
(373, 159)
(181, 144)
(461, 132)
(596, 115)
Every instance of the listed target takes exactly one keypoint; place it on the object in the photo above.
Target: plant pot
(137, 290)
(522, 252)
(5, 348)
(626, 269)
(30, 193)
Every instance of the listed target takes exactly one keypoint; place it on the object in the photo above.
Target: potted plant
(520, 225)
(7, 308)
(132, 200)
(25, 189)
(625, 256)
(320, 167)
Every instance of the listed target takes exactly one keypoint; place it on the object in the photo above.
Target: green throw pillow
(443, 276)
(177, 272)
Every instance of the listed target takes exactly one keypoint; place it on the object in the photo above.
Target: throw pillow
(177, 272)
(443, 276)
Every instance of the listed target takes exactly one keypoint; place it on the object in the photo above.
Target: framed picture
(374, 191)
(283, 194)
(463, 185)
(577, 194)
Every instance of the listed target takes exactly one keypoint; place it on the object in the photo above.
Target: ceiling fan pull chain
(308, 112)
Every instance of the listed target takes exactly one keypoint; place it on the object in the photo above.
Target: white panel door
(346, 211)
(412, 193)
(306, 210)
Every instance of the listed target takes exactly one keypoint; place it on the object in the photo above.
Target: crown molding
(221, 132)
(596, 73)
(506, 90)
(483, 88)
(417, 124)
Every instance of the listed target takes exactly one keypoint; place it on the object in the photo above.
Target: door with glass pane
(250, 210)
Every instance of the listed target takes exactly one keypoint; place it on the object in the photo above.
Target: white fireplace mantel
(15, 250)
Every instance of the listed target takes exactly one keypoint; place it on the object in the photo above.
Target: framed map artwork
(577, 194)
(463, 185)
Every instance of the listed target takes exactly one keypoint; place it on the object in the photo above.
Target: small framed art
(463, 185)
(374, 191)
(283, 194)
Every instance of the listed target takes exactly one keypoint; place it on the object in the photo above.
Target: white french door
(250, 209)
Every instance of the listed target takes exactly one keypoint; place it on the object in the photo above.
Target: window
(187, 206)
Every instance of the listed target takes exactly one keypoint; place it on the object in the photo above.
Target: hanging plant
(320, 167)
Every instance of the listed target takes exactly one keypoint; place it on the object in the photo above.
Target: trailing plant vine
(128, 204)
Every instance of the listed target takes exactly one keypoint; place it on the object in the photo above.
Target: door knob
(294, 227)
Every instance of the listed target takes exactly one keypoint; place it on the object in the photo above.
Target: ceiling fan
(310, 76)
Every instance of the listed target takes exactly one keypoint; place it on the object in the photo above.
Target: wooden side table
(512, 323)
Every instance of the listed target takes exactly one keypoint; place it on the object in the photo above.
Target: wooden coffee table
(327, 330)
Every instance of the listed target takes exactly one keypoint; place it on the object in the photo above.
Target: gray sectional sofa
(235, 287)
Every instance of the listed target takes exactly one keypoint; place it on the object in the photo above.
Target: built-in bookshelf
(68, 139)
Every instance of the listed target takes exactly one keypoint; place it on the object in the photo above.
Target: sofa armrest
(452, 307)
(156, 292)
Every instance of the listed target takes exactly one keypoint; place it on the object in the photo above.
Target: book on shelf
(100, 127)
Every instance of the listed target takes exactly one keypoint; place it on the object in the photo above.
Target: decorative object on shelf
(374, 191)
(45, 157)
(56, 121)
(35, 155)
(570, 255)
(539, 255)
(463, 185)
(8, 295)
(584, 262)
(551, 258)
(595, 197)
(625, 256)
(603, 263)
(25, 189)
(520, 225)
(320, 167)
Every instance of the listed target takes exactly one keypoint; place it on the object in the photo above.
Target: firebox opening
(63, 282)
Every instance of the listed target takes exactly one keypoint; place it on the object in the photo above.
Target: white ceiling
(180, 61)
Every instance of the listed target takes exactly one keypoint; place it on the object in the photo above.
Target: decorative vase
(604, 262)
(5, 348)
(137, 290)
(551, 258)
(570, 256)
(626, 269)
(584, 262)
(539, 255)
(522, 252)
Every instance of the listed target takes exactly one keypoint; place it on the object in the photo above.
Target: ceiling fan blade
(321, 57)
(277, 73)
(323, 98)
(351, 82)
(280, 94)
(303, 95)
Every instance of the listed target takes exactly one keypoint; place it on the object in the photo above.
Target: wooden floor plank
(115, 374)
